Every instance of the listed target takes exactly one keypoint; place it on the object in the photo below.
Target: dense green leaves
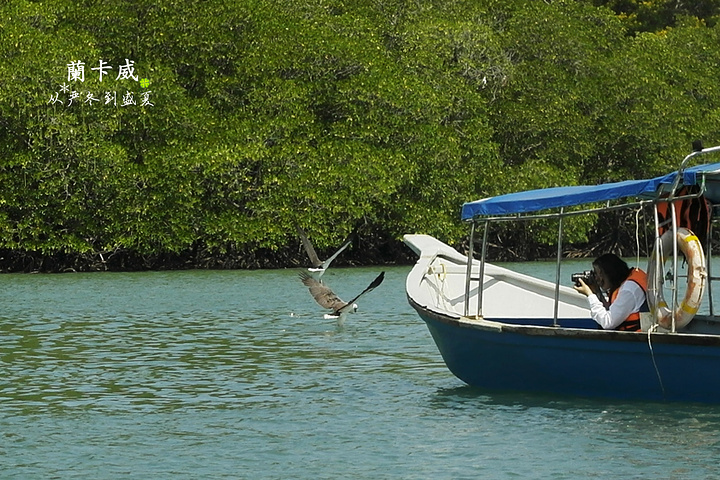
(657, 15)
(335, 115)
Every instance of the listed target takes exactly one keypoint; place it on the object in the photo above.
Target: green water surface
(235, 374)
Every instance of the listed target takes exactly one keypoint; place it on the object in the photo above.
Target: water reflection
(666, 440)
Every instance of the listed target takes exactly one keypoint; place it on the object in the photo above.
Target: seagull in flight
(318, 266)
(326, 298)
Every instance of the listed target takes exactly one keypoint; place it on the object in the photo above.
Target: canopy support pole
(708, 261)
(658, 253)
(675, 265)
(481, 280)
(557, 270)
(468, 271)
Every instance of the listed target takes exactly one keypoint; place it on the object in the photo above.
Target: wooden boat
(512, 331)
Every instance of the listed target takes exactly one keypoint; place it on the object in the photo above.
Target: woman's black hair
(614, 268)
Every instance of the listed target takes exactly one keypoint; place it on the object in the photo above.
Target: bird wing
(326, 263)
(314, 260)
(322, 294)
(378, 280)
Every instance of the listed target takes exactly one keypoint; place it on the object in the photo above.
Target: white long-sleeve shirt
(630, 299)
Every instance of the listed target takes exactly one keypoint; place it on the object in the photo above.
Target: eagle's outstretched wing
(318, 265)
(378, 280)
(326, 298)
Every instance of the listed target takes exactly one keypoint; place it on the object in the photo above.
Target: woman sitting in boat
(626, 288)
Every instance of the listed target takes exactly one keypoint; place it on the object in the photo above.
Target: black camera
(588, 276)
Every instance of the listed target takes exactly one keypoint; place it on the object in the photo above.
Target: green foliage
(658, 15)
(335, 115)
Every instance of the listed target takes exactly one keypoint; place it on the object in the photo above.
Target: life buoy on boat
(689, 244)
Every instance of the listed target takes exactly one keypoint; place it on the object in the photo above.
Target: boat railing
(697, 150)
(670, 196)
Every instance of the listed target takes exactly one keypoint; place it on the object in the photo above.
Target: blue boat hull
(582, 362)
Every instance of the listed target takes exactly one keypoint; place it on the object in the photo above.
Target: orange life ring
(689, 245)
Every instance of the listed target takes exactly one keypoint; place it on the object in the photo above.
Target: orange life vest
(632, 322)
(691, 213)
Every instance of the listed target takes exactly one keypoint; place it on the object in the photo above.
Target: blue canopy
(546, 198)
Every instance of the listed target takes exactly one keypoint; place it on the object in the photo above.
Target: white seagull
(326, 298)
(318, 266)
